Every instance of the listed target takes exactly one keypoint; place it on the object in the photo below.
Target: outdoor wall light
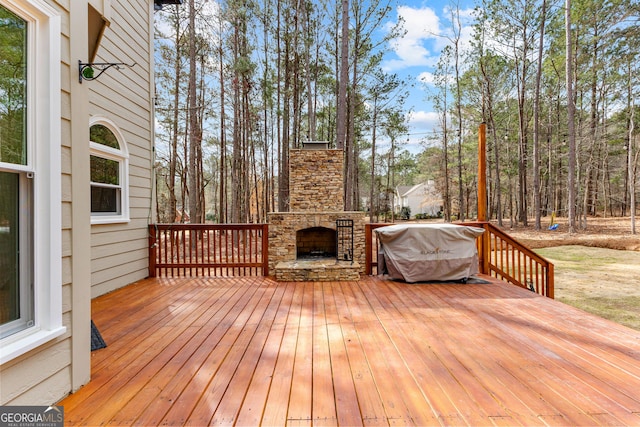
(91, 71)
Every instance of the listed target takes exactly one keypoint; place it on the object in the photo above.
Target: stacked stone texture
(317, 273)
(284, 225)
(315, 181)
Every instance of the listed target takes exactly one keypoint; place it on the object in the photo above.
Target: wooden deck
(249, 351)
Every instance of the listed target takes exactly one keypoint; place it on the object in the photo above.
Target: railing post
(550, 285)
(367, 249)
(265, 249)
(152, 250)
(486, 249)
(482, 172)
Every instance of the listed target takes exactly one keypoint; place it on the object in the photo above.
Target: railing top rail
(186, 226)
(504, 236)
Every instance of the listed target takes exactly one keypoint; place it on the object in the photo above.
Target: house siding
(119, 251)
(420, 199)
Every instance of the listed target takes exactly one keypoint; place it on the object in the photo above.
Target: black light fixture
(92, 70)
(157, 4)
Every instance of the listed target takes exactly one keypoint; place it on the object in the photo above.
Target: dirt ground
(597, 269)
(610, 233)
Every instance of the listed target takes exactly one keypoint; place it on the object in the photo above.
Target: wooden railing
(243, 249)
(499, 255)
(208, 250)
(505, 258)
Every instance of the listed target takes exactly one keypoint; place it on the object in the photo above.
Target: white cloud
(426, 77)
(426, 34)
(421, 25)
(423, 121)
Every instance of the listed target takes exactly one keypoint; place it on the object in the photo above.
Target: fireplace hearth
(317, 240)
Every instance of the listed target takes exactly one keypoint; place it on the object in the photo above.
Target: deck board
(250, 351)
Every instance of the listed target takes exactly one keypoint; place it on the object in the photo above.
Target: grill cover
(425, 252)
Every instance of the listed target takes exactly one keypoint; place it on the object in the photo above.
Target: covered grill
(427, 252)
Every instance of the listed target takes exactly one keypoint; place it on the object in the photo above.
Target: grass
(605, 282)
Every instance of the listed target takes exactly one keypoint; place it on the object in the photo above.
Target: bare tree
(536, 122)
(343, 81)
(631, 168)
(571, 126)
(195, 211)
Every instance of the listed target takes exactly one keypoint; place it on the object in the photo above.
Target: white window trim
(122, 156)
(44, 160)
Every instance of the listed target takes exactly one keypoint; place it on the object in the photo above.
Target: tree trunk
(445, 150)
(537, 200)
(350, 145)
(630, 163)
(456, 43)
(194, 205)
(343, 81)
(570, 121)
(374, 124)
(173, 156)
(222, 213)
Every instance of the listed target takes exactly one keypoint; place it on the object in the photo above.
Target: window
(109, 172)
(30, 177)
(15, 192)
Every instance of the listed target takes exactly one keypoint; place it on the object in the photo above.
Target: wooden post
(482, 172)
(550, 291)
(265, 249)
(368, 242)
(152, 250)
(485, 246)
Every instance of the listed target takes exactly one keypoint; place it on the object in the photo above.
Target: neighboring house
(76, 162)
(422, 198)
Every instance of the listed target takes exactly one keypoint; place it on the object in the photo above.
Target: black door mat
(96, 339)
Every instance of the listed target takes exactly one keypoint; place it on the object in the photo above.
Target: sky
(415, 55)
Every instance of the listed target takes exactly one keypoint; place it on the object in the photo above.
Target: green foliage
(427, 216)
(405, 213)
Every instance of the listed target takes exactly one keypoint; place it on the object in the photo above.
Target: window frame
(44, 168)
(122, 157)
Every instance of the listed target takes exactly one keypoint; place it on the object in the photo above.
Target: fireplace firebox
(315, 242)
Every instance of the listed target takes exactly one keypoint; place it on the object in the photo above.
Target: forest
(239, 83)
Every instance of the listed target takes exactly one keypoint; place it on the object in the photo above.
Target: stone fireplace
(304, 243)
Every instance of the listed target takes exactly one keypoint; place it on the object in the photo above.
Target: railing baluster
(208, 253)
(219, 254)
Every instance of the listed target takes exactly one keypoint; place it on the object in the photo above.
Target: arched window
(109, 162)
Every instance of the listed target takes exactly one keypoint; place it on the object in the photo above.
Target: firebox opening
(316, 242)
